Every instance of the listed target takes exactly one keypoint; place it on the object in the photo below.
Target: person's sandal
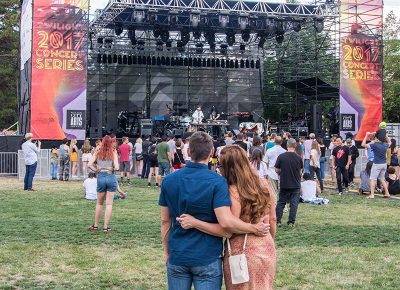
(106, 230)
(93, 229)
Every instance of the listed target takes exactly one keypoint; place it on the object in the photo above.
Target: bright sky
(389, 5)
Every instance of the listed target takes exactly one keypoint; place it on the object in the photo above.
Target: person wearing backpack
(63, 173)
(152, 162)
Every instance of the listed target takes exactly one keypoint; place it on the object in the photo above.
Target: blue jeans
(322, 167)
(106, 182)
(207, 277)
(306, 165)
(53, 170)
(29, 174)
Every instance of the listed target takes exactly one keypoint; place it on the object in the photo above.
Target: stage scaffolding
(255, 65)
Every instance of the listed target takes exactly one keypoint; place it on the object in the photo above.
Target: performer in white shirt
(198, 116)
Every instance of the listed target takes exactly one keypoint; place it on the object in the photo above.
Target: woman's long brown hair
(236, 168)
(106, 151)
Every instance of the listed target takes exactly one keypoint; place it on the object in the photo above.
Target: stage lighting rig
(195, 18)
(185, 36)
(270, 24)
(119, 28)
(100, 42)
(140, 44)
(230, 37)
(169, 44)
(242, 48)
(279, 26)
(243, 21)
(138, 16)
(319, 24)
(246, 35)
(197, 34)
(159, 45)
(180, 46)
(210, 37)
(108, 43)
(223, 19)
(173, 18)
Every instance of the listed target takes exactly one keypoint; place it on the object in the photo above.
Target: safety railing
(8, 164)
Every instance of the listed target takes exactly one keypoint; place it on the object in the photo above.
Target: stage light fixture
(180, 46)
(115, 58)
(152, 16)
(243, 21)
(98, 58)
(195, 18)
(186, 61)
(231, 63)
(213, 62)
(181, 61)
(185, 36)
(223, 19)
(208, 62)
(108, 43)
(153, 61)
(173, 18)
(100, 41)
(241, 63)
(296, 25)
(195, 64)
(258, 64)
(223, 63)
(118, 28)
(199, 48)
(217, 62)
(212, 47)
(138, 16)
(242, 48)
(224, 49)
(204, 64)
(139, 60)
(157, 32)
(246, 35)
(125, 59)
(190, 61)
(279, 38)
(134, 59)
(252, 63)
(109, 59)
(230, 37)
(165, 35)
(236, 64)
(270, 24)
(172, 61)
(319, 24)
(262, 41)
(163, 60)
(104, 58)
(129, 59)
(132, 35)
(197, 34)
(144, 60)
(140, 44)
(148, 60)
(169, 44)
(247, 63)
(253, 22)
(167, 61)
(279, 26)
(119, 59)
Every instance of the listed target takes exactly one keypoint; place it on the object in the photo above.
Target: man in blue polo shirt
(194, 257)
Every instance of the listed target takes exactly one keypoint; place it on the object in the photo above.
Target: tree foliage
(391, 72)
(9, 43)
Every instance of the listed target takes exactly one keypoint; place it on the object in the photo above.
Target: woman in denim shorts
(106, 159)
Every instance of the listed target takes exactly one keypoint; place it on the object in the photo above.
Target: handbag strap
(244, 245)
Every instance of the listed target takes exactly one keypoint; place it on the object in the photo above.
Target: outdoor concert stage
(141, 65)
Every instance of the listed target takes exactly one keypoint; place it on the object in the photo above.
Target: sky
(389, 5)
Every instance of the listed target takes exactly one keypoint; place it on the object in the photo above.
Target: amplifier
(146, 127)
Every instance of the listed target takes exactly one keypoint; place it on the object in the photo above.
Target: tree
(9, 43)
(391, 72)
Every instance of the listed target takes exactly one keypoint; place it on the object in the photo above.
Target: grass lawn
(352, 243)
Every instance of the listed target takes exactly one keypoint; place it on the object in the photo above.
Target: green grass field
(352, 243)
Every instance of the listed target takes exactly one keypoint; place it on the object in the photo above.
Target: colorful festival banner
(59, 69)
(360, 66)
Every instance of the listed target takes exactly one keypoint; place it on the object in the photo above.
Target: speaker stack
(96, 119)
(146, 127)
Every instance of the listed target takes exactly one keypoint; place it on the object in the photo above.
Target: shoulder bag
(238, 265)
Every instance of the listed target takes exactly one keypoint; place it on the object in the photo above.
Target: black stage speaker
(146, 127)
(317, 120)
(96, 119)
(302, 131)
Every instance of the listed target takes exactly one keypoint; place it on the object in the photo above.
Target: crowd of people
(236, 187)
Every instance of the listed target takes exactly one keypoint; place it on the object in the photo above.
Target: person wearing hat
(30, 151)
(381, 133)
(354, 155)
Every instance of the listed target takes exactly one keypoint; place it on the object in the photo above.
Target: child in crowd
(90, 185)
(364, 176)
(309, 188)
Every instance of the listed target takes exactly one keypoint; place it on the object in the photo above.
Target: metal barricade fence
(8, 164)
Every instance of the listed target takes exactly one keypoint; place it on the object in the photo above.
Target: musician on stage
(214, 115)
(198, 116)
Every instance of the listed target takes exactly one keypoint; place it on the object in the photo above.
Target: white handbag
(238, 265)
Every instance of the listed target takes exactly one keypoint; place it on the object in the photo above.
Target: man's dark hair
(339, 137)
(230, 134)
(113, 136)
(200, 146)
(65, 141)
(164, 138)
(239, 137)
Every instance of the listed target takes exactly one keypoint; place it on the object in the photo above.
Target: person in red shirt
(125, 151)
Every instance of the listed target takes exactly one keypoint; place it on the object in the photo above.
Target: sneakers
(149, 184)
(285, 209)
(340, 193)
(291, 225)
(156, 184)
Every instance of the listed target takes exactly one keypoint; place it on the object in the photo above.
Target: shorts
(74, 157)
(378, 171)
(125, 166)
(86, 157)
(106, 182)
(164, 168)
